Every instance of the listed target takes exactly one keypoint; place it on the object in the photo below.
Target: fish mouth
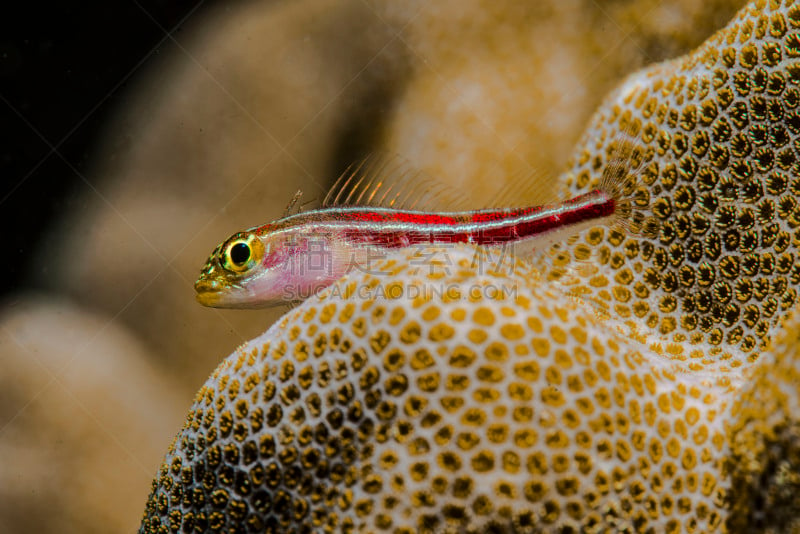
(221, 294)
(208, 292)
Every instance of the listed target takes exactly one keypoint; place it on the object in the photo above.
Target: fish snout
(207, 291)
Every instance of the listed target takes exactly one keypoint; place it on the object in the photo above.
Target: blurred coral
(764, 463)
(78, 400)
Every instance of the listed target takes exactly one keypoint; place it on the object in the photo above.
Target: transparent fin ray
(294, 206)
(388, 181)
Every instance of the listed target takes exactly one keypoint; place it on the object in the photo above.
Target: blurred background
(137, 135)
(64, 69)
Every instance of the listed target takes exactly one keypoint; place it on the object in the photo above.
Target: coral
(500, 404)
(720, 130)
(381, 406)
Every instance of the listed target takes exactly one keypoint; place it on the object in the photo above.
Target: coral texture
(518, 408)
(719, 130)
(500, 404)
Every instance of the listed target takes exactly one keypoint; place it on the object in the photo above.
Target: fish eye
(242, 254)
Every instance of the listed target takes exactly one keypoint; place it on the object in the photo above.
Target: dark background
(64, 67)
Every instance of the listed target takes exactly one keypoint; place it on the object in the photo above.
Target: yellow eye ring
(242, 253)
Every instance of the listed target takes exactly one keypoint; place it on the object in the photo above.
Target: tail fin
(622, 180)
(625, 176)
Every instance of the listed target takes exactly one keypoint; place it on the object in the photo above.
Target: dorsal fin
(389, 181)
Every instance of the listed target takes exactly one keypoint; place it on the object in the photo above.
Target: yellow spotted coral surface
(458, 398)
(451, 401)
(719, 132)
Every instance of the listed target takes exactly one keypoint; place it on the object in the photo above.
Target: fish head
(259, 268)
(244, 271)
